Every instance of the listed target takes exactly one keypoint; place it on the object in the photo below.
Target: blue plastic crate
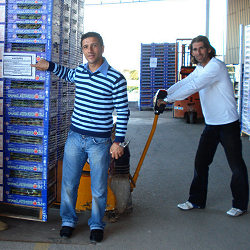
(29, 18)
(26, 200)
(23, 183)
(35, 167)
(29, 7)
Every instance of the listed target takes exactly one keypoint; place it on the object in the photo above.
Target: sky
(124, 27)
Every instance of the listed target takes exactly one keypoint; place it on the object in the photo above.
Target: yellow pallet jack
(120, 182)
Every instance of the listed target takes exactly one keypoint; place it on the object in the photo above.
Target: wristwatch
(124, 144)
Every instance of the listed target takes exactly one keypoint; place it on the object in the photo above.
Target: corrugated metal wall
(238, 12)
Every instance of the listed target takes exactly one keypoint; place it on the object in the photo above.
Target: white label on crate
(1, 142)
(2, 13)
(1, 106)
(17, 65)
(1, 193)
(1, 159)
(2, 29)
(1, 51)
(1, 88)
(1, 176)
(2, 1)
(153, 62)
(1, 127)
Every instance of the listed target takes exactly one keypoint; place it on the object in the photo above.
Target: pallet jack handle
(136, 174)
(161, 94)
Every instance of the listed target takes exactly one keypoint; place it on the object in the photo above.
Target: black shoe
(96, 235)
(66, 232)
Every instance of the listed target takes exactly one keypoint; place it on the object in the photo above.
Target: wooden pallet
(21, 212)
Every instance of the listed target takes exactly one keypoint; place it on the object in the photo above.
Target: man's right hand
(161, 102)
(41, 65)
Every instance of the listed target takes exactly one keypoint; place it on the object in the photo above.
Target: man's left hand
(116, 151)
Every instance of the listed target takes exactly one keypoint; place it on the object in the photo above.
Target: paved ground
(164, 180)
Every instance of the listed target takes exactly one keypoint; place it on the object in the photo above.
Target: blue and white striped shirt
(96, 96)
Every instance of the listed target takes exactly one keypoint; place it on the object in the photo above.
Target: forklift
(189, 108)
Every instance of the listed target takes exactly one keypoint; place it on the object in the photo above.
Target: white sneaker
(187, 205)
(235, 212)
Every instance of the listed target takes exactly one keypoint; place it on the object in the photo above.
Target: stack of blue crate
(245, 98)
(2, 39)
(157, 70)
(36, 115)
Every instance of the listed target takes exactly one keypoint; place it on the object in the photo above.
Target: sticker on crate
(1, 193)
(2, 13)
(2, 32)
(1, 176)
(1, 52)
(1, 71)
(17, 65)
(1, 159)
(1, 107)
(153, 62)
(1, 89)
(1, 142)
(1, 124)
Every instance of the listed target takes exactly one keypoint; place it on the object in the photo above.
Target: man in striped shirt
(99, 90)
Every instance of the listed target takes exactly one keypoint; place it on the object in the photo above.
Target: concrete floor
(156, 222)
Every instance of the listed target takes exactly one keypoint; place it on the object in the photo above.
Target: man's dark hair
(207, 45)
(92, 34)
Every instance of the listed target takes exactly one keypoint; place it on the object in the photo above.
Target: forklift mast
(190, 108)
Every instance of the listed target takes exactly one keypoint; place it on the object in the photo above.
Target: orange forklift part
(189, 108)
(136, 174)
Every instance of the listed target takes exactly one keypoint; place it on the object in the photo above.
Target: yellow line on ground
(41, 246)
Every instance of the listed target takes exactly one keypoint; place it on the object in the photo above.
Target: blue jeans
(78, 149)
(229, 136)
